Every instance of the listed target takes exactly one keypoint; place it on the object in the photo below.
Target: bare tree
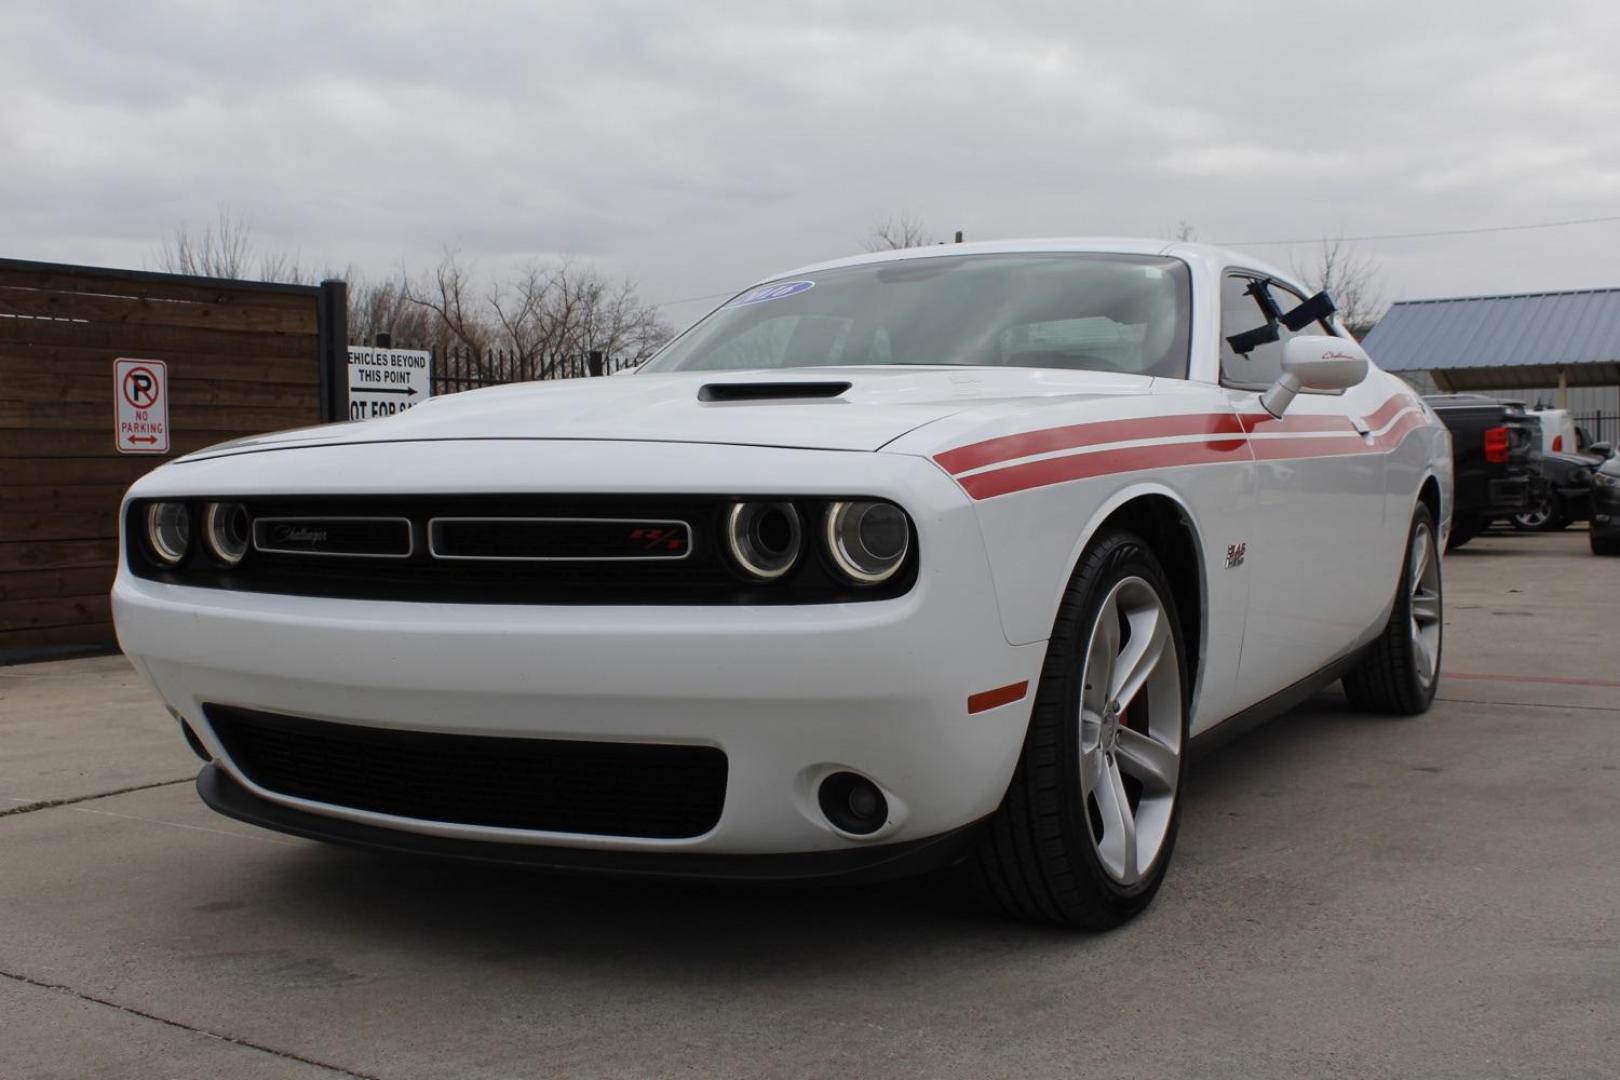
(1351, 278)
(551, 315)
(1186, 232)
(892, 234)
(449, 293)
(224, 248)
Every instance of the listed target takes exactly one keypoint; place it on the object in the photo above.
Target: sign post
(382, 382)
(141, 406)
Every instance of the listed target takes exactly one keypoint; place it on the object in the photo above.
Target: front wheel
(1401, 669)
(1085, 831)
(1546, 515)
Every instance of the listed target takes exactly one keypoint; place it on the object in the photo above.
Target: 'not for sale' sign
(141, 406)
(383, 382)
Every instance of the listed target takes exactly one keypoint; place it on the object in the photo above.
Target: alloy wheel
(1425, 604)
(1130, 730)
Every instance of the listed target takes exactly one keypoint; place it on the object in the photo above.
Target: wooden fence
(243, 357)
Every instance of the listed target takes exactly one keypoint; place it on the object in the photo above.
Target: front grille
(502, 549)
(550, 785)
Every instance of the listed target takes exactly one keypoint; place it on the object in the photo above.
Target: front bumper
(789, 693)
(857, 865)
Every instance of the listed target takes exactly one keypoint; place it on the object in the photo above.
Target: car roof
(1208, 255)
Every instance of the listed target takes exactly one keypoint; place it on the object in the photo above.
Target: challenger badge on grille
(356, 537)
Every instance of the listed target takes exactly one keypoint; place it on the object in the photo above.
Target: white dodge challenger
(938, 556)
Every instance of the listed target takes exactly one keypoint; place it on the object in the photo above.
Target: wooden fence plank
(49, 387)
(55, 611)
(58, 556)
(128, 310)
(12, 641)
(56, 498)
(21, 360)
(129, 339)
(296, 299)
(98, 416)
(52, 584)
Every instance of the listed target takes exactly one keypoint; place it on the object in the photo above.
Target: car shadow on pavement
(506, 915)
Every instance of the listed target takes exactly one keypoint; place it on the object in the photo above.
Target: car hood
(859, 408)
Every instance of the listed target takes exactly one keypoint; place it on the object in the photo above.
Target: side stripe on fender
(1011, 463)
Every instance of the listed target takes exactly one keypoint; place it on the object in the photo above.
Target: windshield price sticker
(383, 382)
(779, 291)
(141, 406)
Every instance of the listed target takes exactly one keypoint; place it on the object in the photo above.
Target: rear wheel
(1085, 831)
(1401, 669)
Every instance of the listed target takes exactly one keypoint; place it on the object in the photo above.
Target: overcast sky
(697, 146)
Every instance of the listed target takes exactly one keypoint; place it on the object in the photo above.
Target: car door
(1319, 501)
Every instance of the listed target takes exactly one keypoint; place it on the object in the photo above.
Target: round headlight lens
(168, 531)
(225, 528)
(764, 538)
(868, 540)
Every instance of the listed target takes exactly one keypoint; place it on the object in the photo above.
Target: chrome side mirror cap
(1315, 362)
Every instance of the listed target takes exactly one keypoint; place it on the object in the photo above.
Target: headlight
(168, 531)
(225, 529)
(867, 540)
(1608, 480)
(763, 538)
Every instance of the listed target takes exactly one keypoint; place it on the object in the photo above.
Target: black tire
(1037, 860)
(1464, 527)
(1389, 679)
(1546, 516)
(1604, 545)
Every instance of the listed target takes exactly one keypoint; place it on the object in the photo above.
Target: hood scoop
(770, 391)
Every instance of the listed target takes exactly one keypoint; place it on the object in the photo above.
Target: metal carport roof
(1502, 342)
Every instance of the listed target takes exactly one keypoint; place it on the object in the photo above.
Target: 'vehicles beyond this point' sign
(141, 406)
(383, 382)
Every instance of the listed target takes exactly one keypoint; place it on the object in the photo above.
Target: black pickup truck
(1496, 460)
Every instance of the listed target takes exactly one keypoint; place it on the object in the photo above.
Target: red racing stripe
(988, 485)
(1074, 436)
(1079, 466)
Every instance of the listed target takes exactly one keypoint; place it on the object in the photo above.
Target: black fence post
(332, 345)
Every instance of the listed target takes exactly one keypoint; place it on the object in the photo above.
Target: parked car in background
(929, 556)
(1562, 496)
(1559, 434)
(1496, 454)
(1605, 527)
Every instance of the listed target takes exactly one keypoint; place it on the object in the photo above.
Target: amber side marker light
(1001, 695)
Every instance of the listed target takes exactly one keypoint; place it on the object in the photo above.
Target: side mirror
(1601, 449)
(1315, 362)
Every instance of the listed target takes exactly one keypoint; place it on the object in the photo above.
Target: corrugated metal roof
(1557, 328)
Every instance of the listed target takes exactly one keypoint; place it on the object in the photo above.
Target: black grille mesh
(551, 785)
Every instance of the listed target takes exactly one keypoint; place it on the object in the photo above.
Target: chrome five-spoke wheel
(1424, 609)
(1130, 730)
(1087, 825)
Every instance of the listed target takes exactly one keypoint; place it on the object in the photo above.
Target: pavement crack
(50, 804)
(284, 1054)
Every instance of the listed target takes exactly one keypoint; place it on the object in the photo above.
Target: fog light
(853, 803)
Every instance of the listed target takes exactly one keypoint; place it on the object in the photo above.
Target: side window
(1241, 312)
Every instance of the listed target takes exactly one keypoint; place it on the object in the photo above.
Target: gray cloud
(699, 145)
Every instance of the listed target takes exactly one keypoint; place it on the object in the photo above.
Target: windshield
(1074, 311)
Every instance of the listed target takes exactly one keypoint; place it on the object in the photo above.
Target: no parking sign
(141, 397)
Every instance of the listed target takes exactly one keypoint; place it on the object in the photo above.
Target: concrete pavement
(1352, 896)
